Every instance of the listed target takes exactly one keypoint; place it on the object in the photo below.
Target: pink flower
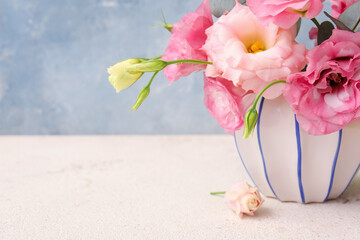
(226, 103)
(285, 13)
(313, 33)
(243, 199)
(339, 6)
(187, 37)
(251, 54)
(327, 96)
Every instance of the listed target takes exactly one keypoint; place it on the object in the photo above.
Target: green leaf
(325, 32)
(351, 16)
(338, 23)
(298, 26)
(218, 7)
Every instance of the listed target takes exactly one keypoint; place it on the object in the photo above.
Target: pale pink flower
(243, 199)
(251, 54)
(187, 37)
(313, 33)
(327, 96)
(285, 13)
(226, 103)
(339, 6)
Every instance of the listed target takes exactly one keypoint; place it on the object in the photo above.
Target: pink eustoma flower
(187, 37)
(339, 6)
(251, 54)
(313, 33)
(285, 13)
(226, 103)
(326, 97)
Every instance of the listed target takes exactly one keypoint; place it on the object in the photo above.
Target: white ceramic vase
(285, 162)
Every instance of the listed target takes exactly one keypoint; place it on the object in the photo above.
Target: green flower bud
(154, 65)
(250, 121)
(167, 26)
(120, 78)
(141, 98)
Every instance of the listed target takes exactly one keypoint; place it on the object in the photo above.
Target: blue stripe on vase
(350, 181)
(298, 141)
(248, 173)
(334, 165)
(260, 147)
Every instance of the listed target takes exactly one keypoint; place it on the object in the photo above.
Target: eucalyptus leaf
(351, 15)
(298, 26)
(338, 23)
(218, 7)
(325, 31)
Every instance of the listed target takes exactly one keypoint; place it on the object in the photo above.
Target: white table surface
(147, 187)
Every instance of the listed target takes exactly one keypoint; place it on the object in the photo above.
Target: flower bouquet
(291, 110)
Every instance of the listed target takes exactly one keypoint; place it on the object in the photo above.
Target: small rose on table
(242, 198)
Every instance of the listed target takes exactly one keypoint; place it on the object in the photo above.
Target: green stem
(217, 193)
(357, 23)
(262, 91)
(251, 115)
(166, 25)
(315, 22)
(157, 57)
(188, 61)
(151, 79)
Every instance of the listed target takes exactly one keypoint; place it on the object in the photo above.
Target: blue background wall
(53, 60)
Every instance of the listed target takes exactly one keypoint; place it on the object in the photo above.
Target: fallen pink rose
(243, 199)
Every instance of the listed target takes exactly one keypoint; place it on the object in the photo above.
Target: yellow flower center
(302, 13)
(256, 47)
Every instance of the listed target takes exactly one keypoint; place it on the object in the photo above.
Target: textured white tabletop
(146, 187)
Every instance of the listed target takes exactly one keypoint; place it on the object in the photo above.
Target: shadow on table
(263, 212)
(352, 193)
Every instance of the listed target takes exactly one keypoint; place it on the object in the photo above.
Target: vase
(285, 162)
